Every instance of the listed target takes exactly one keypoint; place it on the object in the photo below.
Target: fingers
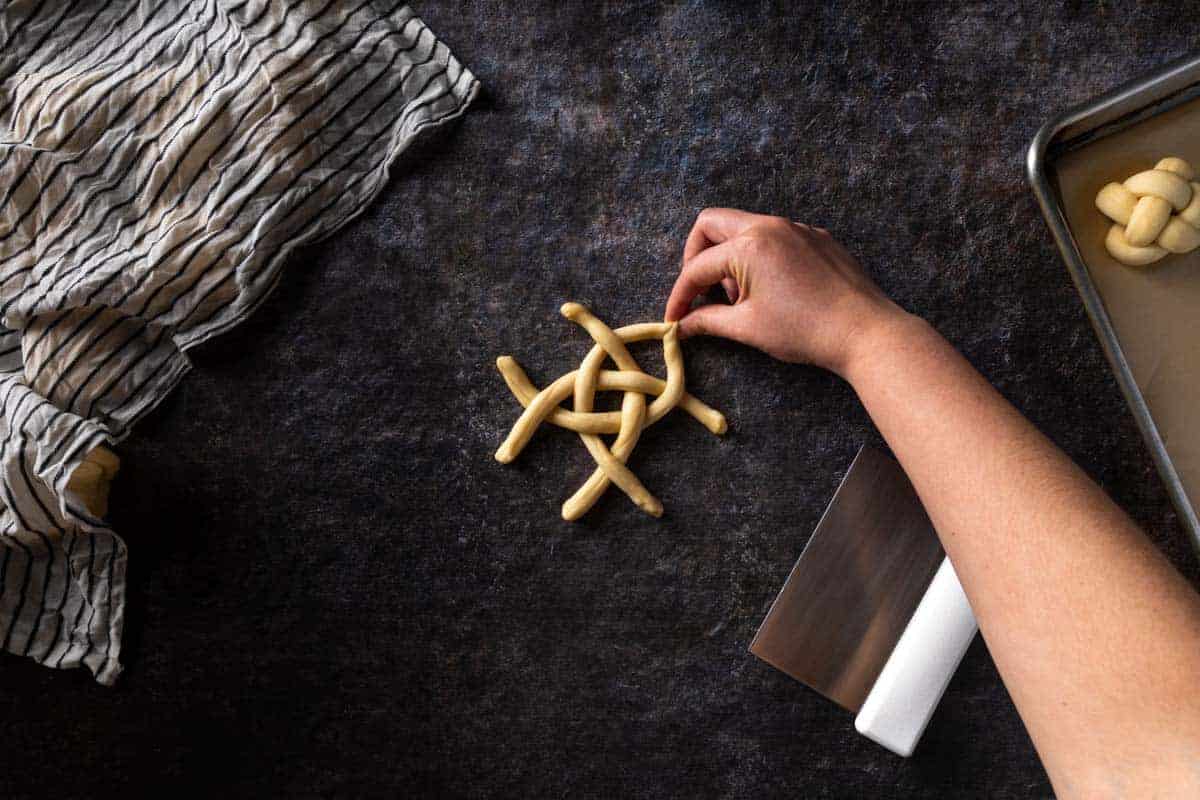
(714, 226)
(715, 320)
(804, 226)
(699, 273)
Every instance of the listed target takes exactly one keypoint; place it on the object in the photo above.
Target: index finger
(698, 274)
(714, 226)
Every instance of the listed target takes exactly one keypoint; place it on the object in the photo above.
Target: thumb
(716, 319)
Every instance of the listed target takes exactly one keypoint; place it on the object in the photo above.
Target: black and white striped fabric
(159, 159)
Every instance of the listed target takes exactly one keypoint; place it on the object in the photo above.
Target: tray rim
(1123, 102)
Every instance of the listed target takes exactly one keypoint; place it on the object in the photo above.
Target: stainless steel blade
(856, 584)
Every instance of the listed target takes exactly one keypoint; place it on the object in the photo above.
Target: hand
(796, 294)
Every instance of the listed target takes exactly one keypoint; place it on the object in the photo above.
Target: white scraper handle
(916, 674)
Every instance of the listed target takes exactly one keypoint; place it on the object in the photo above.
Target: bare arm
(1095, 634)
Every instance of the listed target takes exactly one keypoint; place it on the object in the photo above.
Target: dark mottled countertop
(335, 591)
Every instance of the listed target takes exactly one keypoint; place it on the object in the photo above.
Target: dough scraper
(872, 615)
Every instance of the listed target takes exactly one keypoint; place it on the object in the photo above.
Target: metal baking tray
(1147, 319)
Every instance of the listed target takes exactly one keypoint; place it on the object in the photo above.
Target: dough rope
(1145, 228)
(628, 423)
(633, 413)
(609, 381)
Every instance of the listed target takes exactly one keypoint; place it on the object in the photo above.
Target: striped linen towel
(159, 160)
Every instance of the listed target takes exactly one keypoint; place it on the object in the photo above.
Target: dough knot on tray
(628, 423)
(1156, 212)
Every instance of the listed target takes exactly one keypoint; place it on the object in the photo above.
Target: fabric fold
(62, 572)
(160, 161)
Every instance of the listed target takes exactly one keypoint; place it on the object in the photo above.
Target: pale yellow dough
(91, 479)
(628, 423)
(1156, 212)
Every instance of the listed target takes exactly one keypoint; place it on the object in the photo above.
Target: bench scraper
(872, 615)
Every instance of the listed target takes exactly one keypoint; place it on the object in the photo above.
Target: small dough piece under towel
(159, 162)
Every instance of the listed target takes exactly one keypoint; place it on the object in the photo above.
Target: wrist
(878, 339)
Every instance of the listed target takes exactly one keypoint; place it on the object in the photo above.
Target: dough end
(1128, 254)
(92, 479)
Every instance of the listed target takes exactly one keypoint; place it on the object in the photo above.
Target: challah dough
(608, 381)
(92, 478)
(628, 423)
(1155, 212)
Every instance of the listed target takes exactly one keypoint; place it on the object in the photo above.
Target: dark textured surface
(337, 592)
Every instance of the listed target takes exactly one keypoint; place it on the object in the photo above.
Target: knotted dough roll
(1155, 212)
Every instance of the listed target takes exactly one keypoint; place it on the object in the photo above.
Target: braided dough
(628, 423)
(1146, 229)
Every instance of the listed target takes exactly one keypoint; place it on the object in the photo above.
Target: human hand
(796, 293)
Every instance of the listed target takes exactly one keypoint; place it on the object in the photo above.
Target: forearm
(1086, 621)
(1095, 635)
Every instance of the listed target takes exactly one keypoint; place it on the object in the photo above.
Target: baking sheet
(1155, 310)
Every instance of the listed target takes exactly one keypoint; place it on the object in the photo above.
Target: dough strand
(610, 380)
(628, 423)
(633, 414)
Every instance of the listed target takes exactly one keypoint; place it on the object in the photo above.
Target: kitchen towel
(159, 160)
